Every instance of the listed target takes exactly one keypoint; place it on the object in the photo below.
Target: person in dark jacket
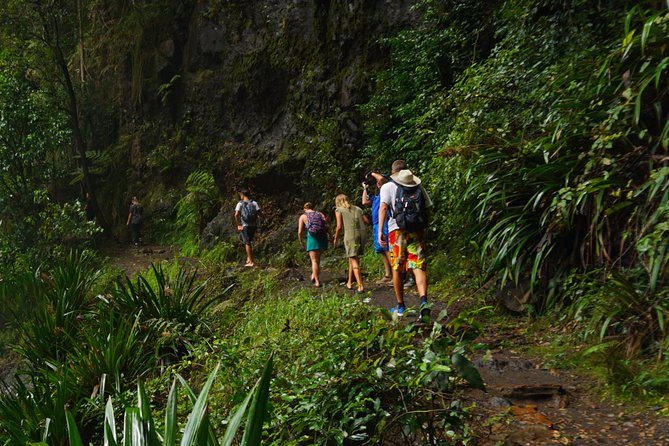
(135, 221)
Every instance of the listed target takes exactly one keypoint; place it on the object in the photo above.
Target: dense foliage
(548, 138)
(540, 128)
(34, 164)
(79, 347)
(331, 355)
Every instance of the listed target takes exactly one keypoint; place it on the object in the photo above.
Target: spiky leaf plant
(140, 429)
(173, 306)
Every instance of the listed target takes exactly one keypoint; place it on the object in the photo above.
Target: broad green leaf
(109, 438)
(258, 409)
(236, 420)
(645, 33)
(72, 431)
(145, 415)
(196, 419)
(170, 435)
(132, 425)
(45, 432)
(468, 371)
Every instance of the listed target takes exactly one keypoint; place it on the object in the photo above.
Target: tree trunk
(79, 143)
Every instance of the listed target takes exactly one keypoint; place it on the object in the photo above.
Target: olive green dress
(355, 233)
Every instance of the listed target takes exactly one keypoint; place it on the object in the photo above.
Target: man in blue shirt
(375, 202)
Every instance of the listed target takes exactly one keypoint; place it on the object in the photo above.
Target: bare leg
(355, 263)
(421, 281)
(249, 254)
(398, 286)
(386, 264)
(315, 257)
(349, 283)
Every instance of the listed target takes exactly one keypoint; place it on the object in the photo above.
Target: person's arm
(300, 226)
(377, 176)
(383, 211)
(129, 217)
(365, 195)
(340, 224)
(239, 226)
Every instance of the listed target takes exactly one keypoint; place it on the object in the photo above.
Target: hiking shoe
(409, 283)
(424, 313)
(397, 311)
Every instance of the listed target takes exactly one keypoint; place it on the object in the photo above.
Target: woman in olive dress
(352, 220)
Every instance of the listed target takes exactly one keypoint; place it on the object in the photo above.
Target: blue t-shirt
(376, 204)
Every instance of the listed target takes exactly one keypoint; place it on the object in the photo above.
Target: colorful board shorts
(407, 250)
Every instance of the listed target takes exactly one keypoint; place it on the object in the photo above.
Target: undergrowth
(345, 372)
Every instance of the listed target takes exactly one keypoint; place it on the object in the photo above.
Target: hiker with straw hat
(407, 202)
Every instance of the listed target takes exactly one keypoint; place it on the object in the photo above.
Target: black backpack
(409, 210)
(249, 212)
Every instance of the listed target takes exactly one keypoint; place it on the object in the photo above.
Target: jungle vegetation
(540, 128)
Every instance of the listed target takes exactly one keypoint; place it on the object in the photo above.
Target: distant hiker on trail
(135, 220)
(246, 220)
(317, 238)
(352, 220)
(408, 203)
(374, 179)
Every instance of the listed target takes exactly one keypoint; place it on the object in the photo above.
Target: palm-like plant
(194, 208)
(172, 307)
(140, 429)
(176, 299)
(62, 300)
(115, 351)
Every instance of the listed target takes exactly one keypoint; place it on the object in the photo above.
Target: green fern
(193, 208)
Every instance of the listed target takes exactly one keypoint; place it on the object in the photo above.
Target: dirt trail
(526, 403)
(135, 259)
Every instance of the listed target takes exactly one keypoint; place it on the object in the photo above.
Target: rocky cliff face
(260, 92)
